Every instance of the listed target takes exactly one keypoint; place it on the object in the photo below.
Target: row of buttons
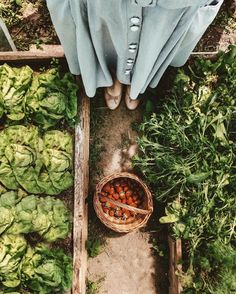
(135, 21)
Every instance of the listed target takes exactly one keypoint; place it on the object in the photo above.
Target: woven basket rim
(112, 223)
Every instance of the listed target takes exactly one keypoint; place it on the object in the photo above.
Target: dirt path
(128, 263)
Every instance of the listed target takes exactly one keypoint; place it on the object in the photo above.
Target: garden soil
(128, 263)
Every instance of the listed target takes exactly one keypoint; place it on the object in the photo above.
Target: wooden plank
(56, 51)
(175, 257)
(178, 264)
(205, 53)
(80, 229)
(208, 55)
(47, 52)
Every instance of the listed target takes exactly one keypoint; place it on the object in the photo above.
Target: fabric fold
(137, 41)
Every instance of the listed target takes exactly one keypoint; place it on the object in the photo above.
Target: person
(117, 43)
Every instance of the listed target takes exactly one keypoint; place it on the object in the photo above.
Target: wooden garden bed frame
(81, 182)
(175, 267)
(45, 52)
(56, 51)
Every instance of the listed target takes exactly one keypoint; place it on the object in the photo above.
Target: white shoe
(131, 104)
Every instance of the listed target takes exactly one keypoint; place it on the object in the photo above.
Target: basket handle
(128, 207)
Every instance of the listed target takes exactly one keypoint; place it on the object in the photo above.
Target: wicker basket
(122, 226)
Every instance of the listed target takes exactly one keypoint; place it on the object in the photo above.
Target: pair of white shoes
(113, 96)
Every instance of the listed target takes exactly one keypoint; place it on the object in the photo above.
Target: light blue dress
(137, 39)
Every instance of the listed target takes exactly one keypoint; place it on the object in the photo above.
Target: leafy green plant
(45, 98)
(159, 248)
(96, 240)
(14, 83)
(45, 270)
(51, 98)
(38, 165)
(46, 216)
(92, 287)
(188, 156)
(38, 269)
(94, 247)
(12, 249)
(213, 270)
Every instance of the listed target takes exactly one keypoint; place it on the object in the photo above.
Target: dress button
(135, 19)
(133, 46)
(130, 61)
(132, 50)
(134, 28)
(127, 71)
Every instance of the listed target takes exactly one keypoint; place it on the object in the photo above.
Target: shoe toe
(112, 101)
(131, 104)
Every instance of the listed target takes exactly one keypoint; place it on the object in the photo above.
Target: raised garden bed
(187, 155)
(75, 198)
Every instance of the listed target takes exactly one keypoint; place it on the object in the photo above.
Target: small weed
(94, 246)
(96, 239)
(92, 287)
(159, 248)
(38, 43)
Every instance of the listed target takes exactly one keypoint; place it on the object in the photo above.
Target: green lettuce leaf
(52, 98)
(12, 249)
(14, 83)
(38, 165)
(46, 271)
